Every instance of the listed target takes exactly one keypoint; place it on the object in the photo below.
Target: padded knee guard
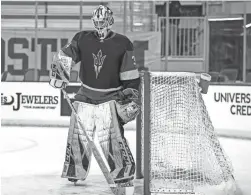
(78, 154)
(113, 143)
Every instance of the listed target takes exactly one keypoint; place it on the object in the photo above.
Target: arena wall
(38, 104)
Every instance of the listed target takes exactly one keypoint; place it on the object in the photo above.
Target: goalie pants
(103, 120)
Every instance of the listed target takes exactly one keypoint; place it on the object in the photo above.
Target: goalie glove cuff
(128, 95)
(132, 93)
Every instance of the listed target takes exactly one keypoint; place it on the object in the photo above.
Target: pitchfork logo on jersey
(98, 62)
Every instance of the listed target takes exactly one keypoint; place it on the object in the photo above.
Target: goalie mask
(102, 20)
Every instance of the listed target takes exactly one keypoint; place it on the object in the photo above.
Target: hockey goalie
(106, 100)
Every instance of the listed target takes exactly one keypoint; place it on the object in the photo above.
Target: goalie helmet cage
(178, 151)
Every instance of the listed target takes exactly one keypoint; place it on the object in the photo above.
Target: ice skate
(125, 186)
(73, 180)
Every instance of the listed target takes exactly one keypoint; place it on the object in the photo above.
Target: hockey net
(184, 151)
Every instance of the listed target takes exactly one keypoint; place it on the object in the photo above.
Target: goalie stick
(117, 189)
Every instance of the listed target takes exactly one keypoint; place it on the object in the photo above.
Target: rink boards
(38, 104)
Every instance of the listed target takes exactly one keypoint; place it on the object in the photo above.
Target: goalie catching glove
(128, 106)
(128, 95)
(60, 70)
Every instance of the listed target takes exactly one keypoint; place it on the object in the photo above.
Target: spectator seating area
(50, 14)
(75, 15)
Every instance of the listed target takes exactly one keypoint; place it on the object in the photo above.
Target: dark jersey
(106, 66)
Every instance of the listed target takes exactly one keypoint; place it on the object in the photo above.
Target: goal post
(178, 151)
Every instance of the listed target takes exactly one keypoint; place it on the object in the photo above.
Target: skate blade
(73, 178)
(125, 190)
(125, 184)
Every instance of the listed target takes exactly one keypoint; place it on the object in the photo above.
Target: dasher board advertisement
(29, 101)
(229, 107)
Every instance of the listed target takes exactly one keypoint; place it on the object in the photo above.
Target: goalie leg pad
(113, 143)
(78, 154)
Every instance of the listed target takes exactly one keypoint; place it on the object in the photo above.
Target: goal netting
(184, 151)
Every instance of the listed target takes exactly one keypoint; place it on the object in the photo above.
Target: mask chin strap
(102, 34)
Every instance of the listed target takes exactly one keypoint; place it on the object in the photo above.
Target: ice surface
(32, 161)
